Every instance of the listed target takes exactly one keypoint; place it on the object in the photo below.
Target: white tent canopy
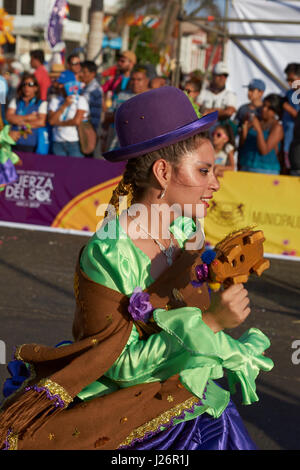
(274, 54)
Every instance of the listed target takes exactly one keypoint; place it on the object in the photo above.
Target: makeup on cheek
(194, 177)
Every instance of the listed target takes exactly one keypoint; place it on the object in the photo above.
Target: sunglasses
(188, 91)
(30, 84)
(219, 134)
(75, 63)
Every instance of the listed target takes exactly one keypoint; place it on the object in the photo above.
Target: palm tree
(95, 32)
(168, 10)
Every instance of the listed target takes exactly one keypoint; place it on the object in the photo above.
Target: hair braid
(122, 189)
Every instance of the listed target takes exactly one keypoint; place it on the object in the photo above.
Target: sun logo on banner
(226, 213)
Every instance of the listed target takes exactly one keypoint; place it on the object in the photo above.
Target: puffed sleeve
(214, 352)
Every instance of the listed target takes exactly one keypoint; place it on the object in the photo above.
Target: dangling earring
(162, 194)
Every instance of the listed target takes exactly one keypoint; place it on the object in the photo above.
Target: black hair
(275, 102)
(32, 77)
(197, 84)
(69, 59)
(90, 65)
(38, 54)
(293, 68)
(141, 68)
(227, 128)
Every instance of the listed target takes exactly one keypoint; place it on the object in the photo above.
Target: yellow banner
(268, 202)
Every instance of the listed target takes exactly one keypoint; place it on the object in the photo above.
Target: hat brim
(182, 133)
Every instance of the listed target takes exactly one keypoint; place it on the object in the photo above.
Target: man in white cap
(216, 97)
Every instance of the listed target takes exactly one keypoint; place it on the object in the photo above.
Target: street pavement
(37, 306)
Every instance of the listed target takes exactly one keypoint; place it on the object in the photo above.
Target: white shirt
(221, 157)
(221, 100)
(68, 133)
(42, 108)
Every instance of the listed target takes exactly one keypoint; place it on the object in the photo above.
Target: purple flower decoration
(139, 306)
(202, 274)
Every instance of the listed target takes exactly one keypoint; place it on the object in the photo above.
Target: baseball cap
(129, 55)
(220, 69)
(256, 83)
(66, 76)
(17, 66)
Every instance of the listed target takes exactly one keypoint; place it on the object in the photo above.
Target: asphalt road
(37, 306)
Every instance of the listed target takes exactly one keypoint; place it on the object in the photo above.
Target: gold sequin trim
(56, 389)
(18, 356)
(12, 442)
(161, 420)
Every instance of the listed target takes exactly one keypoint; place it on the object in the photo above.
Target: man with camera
(256, 89)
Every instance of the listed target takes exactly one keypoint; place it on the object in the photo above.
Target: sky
(192, 4)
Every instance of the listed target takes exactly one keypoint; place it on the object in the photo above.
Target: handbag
(87, 137)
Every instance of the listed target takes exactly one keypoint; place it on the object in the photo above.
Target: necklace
(168, 252)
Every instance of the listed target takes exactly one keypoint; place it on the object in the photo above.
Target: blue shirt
(288, 121)
(251, 159)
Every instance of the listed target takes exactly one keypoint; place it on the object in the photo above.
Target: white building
(193, 48)
(31, 19)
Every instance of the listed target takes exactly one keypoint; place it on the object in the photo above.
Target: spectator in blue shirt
(93, 93)
(291, 107)
(256, 89)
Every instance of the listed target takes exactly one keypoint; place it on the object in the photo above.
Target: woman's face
(266, 112)
(29, 88)
(219, 137)
(193, 181)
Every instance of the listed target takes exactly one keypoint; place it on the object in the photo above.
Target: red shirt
(44, 80)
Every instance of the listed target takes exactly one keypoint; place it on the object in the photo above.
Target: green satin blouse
(186, 345)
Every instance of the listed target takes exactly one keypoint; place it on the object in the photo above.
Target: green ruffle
(5, 147)
(210, 353)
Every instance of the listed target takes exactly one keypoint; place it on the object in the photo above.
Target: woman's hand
(256, 124)
(228, 308)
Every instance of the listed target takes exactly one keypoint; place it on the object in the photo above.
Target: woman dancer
(140, 372)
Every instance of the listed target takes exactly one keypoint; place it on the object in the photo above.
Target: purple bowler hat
(155, 119)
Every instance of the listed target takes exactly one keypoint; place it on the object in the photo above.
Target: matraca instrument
(237, 256)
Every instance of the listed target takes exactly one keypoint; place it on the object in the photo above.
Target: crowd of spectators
(70, 111)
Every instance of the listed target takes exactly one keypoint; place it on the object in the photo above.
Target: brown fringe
(27, 414)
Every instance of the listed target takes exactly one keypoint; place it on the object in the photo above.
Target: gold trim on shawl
(56, 390)
(12, 441)
(160, 420)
